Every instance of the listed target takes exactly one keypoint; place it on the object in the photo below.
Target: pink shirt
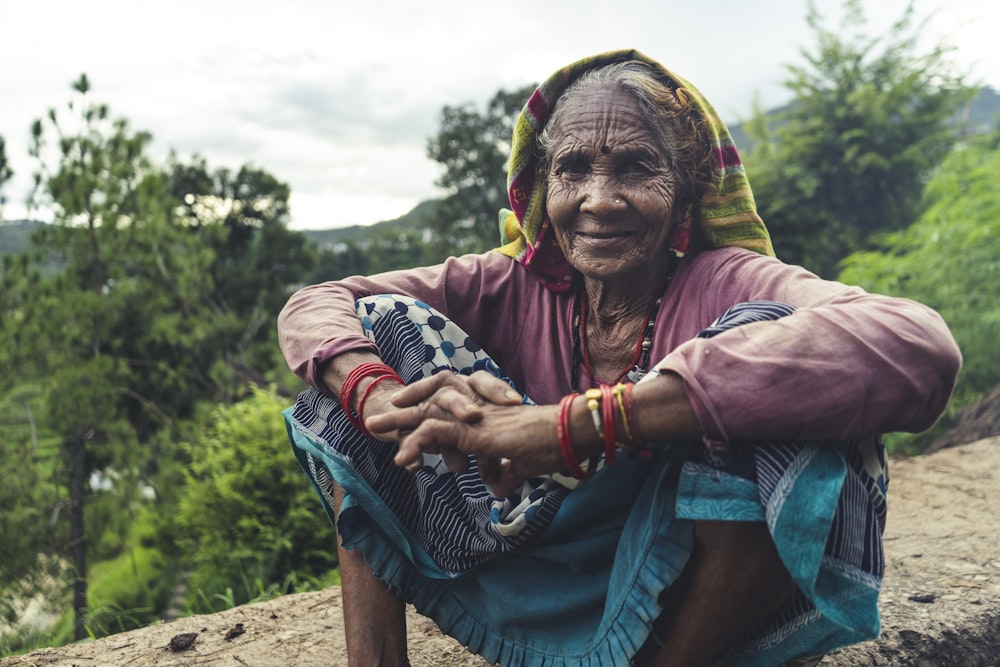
(846, 363)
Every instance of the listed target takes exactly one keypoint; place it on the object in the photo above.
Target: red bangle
(351, 385)
(364, 397)
(608, 417)
(566, 443)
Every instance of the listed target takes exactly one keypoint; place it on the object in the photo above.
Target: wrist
(358, 387)
(377, 396)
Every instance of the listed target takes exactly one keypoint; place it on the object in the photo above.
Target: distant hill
(14, 235)
(418, 218)
(983, 113)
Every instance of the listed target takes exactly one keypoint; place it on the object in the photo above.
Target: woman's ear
(679, 241)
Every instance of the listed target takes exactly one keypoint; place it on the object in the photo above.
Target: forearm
(872, 366)
(371, 395)
(845, 363)
(663, 410)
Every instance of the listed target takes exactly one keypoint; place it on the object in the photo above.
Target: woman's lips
(604, 238)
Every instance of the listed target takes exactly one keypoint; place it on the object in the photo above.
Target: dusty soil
(940, 604)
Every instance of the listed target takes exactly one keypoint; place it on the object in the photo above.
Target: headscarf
(727, 213)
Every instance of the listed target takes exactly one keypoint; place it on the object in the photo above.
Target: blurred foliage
(870, 118)
(29, 492)
(247, 513)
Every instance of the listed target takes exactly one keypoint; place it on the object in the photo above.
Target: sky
(338, 99)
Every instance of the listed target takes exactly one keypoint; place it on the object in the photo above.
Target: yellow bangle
(619, 390)
(593, 397)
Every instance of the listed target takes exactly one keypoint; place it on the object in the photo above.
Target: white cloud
(338, 99)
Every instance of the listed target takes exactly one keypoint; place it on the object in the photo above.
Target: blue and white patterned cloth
(560, 576)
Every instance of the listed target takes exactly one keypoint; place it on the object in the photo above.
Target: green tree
(847, 159)
(133, 331)
(474, 147)
(242, 216)
(948, 260)
(95, 187)
(153, 294)
(27, 495)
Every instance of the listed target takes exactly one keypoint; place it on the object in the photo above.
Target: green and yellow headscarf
(727, 212)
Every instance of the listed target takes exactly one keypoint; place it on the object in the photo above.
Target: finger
(493, 389)
(423, 389)
(394, 421)
(508, 481)
(408, 455)
(456, 404)
(455, 460)
(489, 469)
(432, 436)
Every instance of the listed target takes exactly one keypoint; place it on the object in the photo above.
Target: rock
(940, 603)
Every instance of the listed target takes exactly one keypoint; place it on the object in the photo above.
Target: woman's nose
(601, 194)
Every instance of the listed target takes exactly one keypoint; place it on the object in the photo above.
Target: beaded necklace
(581, 355)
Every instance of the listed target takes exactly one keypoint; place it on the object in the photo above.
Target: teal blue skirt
(579, 582)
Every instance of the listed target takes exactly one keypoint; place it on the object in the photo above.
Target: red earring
(680, 237)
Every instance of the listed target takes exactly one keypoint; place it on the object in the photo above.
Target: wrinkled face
(610, 189)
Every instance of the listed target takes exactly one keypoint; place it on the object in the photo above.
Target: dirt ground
(940, 603)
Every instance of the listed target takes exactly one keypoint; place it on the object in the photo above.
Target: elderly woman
(689, 471)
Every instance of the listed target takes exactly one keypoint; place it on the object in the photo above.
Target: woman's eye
(572, 167)
(636, 168)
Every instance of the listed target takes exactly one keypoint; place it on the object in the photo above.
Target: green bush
(248, 515)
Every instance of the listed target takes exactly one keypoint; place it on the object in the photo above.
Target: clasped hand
(458, 416)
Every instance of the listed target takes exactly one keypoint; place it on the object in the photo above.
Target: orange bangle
(632, 425)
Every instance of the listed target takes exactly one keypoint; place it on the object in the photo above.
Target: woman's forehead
(608, 117)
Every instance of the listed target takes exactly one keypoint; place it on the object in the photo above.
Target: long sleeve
(845, 363)
(319, 321)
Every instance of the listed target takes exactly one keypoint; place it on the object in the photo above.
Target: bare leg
(733, 581)
(374, 618)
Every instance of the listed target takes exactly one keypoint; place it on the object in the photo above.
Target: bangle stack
(626, 406)
(602, 403)
(380, 372)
